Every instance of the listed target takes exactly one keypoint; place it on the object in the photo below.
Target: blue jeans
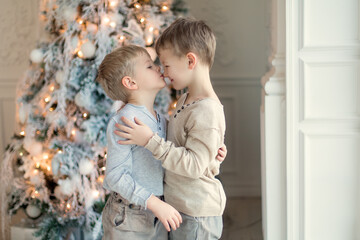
(198, 228)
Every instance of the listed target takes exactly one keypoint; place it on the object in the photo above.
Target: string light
(137, 5)
(80, 54)
(164, 8)
(36, 171)
(81, 21)
(46, 156)
(113, 24)
(22, 133)
(101, 179)
(151, 29)
(47, 99)
(52, 88)
(73, 132)
(105, 155)
(68, 206)
(59, 151)
(142, 19)
(106, 20)
(21, 154)
(48, 168)
(96, 193)
(103, 168)
(113, 3)
(37, 165)
(149, 40)
(85, 115)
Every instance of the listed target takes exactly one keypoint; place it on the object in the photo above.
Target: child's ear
(192, 60)
(129, 83)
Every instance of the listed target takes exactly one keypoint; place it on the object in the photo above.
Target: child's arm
(190, 160)
(118, 178)
(165, 213)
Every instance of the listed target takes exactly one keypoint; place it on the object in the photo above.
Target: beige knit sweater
(195, 133)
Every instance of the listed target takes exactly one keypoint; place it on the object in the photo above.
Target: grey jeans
(198, 228)
(124, 221)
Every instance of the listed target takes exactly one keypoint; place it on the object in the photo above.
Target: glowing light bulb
(68, 206)
(151, 29)
(37, 165)
(36, 192)
(113, 3)
(80, 54)
(95, 193)
(47, 99)
(113, 24)
(22, 133)
(101, 179)
(48, 168)
(59, 151)
(137, 5)
(81, 21)
(106, 20)
(85, 115)
(73, 132)
(142, 20)
(45, 156)
(21, 154)
(103, 168)
(36, 171)
(52, 88)
(105, 155)
(149, 40)
(121, 39)
(164, 8)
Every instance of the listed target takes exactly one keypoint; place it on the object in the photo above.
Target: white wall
(240, 62)
(18, 28)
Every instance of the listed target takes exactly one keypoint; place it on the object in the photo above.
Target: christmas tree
(54, 167)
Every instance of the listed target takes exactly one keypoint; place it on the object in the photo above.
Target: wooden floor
(242, 219)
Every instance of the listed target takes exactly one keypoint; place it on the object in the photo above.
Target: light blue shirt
(131, 170)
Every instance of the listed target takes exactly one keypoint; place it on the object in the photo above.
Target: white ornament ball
(57, 192)
(55, 167)
(66, 186)
(88, 49)
(60, 77)
(85, 166)
(36, 56)
(74, 42)
(33, 147)
(23, 113)
(80, 99)
(91, 28)
(33, 211)
(70, 14)
(152, 53)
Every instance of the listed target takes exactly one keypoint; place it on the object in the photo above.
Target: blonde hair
(116, 65)
(189, 35)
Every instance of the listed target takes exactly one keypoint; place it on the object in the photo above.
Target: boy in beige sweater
(195, 133)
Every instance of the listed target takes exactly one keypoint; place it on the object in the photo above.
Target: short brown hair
(116, 65)
(189, 35)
